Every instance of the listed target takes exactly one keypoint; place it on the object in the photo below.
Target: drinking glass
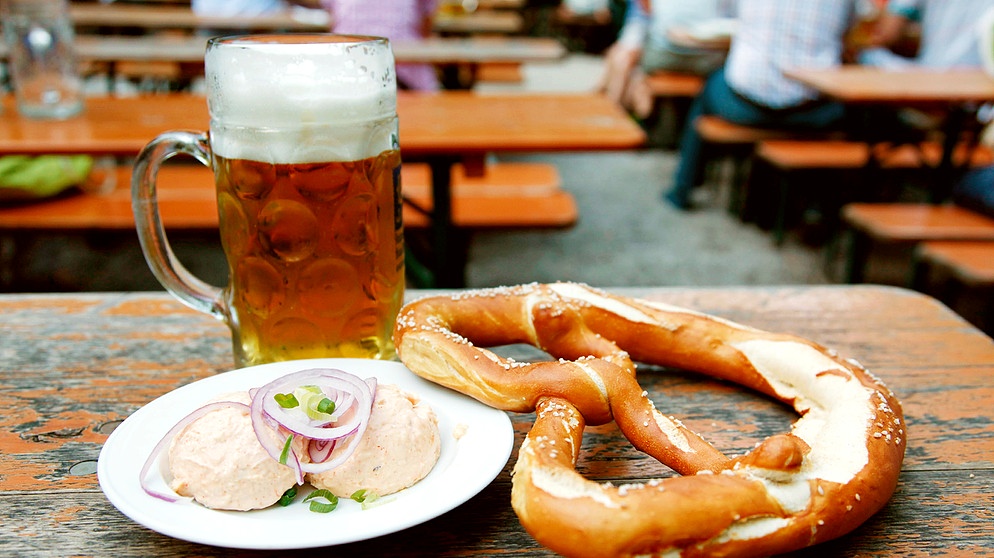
(42, 57)
(303, 143)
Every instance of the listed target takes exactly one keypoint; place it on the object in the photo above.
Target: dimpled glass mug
(304, 147)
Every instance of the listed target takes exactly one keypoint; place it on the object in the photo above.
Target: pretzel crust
(837, 466)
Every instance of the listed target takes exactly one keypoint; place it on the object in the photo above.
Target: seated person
(237, 8)
(645, 44)
(949, 34)
(397, 20)
(751, 89)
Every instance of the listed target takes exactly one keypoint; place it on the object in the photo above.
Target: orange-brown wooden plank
(915, 222)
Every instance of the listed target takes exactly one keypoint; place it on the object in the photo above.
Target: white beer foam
(299, 103)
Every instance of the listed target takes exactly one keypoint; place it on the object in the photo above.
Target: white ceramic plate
(466, 466)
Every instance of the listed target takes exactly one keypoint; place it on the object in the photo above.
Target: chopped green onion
(359, 495)
(322, 507)
(286, 450)
(286, 400)
(369, 499)
(287, 498)
(326, 406)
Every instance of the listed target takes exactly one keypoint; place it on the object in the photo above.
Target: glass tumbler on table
(304, 148)
(41, 54)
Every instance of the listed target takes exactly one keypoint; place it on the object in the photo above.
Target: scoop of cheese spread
(400, 447)
(218, 460)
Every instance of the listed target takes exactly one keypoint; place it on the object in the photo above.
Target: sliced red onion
(183, 423)
(320, 450)
(354, 402)
(328, 380)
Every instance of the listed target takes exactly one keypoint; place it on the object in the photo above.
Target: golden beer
(315, 256)
(304, 146)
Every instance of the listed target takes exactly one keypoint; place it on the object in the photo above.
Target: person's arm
(428, 8)
(889, 29)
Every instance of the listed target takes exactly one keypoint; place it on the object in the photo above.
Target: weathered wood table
(72, 366)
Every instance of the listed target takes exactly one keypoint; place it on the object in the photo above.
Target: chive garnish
(322, 507)
(286, 400)
(359, 495)
(326, 406)
(286, 449)
(287, 498)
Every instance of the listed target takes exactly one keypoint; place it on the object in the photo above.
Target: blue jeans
(975, 190)
(719, 99)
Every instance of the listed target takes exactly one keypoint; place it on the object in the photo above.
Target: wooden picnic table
(502, 22)
(75, 365)
(918, 87)
(461, 56)
(957, 94)
(160, 17)
(157, 17)
(438, 128)
(435, 50)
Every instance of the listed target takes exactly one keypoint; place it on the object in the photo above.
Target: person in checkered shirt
(751, 88)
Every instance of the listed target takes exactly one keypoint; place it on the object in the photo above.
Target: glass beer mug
(304, 148)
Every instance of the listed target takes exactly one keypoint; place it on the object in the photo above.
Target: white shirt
(237, 7)
(775, 35)
(950, 35)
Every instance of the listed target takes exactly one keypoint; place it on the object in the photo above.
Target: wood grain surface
(920, 87)
(73, 366)
(452, 123)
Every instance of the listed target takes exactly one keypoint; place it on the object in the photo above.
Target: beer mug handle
(189, 289)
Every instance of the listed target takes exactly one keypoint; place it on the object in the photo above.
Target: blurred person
(751, 89)
(397, 20)
(975, 190)
(237, 7)
(645, 44)
(597, 10)
(949, 39)
(949, 34)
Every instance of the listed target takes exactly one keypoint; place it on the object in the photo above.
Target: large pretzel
(836, 468)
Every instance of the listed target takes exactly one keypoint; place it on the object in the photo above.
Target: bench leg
(987, 316)
(783, 203)
(919, 275)
(857, 256)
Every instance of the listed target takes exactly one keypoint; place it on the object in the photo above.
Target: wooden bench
(960, 269)
(674, 85)
(500, 72)
(508, 195)
(672, 93)
(906, 223)
(788, 157)
(725, 142)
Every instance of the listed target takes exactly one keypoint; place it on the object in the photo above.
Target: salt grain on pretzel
(836, 467)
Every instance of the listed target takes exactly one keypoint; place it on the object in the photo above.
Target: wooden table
(957, 93)
(74, 366)
(462, 55)
(439, 128)
(161, 17)
(503, 22)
